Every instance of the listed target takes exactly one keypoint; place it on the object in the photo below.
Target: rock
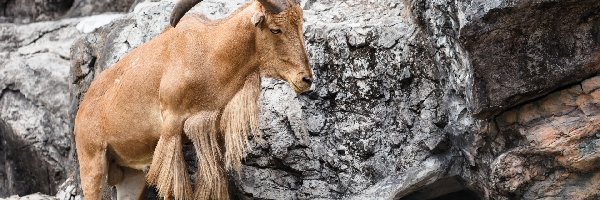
(34, 104)
(69, 190)
(563, 136)
(82, 8)
(36, 196)
(396, 87)
(590, 85)
(303, 164)
(35, 126)
(537, 44)
(412, 100)
(27, 11)
(87, 25)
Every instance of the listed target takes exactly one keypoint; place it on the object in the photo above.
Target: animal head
(280, 41)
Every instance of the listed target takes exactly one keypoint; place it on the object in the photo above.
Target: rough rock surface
(27, 11)
(413, 99)
(36, 196)
(396, 90)
(559, 145)
(95, 7)
(533, 43)
(35, 127)
(308, 135)
(34, 106)
(408, 99)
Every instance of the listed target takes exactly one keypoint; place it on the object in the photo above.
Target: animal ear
(258, 18)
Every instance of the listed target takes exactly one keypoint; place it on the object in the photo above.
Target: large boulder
(27, 11)
(34, 106)
(414, 99)
(35, 125)
(557, 153)
(337, 140)
(523, 49)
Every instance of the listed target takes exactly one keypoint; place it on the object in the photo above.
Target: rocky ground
(413, 99)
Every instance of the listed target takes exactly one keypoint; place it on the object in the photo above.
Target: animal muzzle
(302, 84)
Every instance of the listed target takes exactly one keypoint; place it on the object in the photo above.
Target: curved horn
(274, 6)
(180, 9)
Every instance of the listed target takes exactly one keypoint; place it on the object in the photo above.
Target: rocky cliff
(27, 11)
(35, 124)
(413, 99)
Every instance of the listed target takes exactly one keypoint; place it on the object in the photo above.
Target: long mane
(240, 119)
(220, 137)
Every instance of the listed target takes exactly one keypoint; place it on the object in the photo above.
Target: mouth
(297, 89)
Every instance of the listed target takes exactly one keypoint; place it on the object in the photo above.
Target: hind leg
(132, 186)
(92, 167)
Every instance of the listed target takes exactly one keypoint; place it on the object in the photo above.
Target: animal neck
(236, 45)
(225, 49)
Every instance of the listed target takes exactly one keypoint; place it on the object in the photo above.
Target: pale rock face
(35, 124)
(34, 104)
(412, 99)
(89, 24)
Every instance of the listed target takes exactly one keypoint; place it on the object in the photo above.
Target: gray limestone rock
(35, 125)
(405, 97)
(413, 99)
(34, 101)
(28, 11)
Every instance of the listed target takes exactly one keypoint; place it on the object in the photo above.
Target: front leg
(211, 177)
(168, 169)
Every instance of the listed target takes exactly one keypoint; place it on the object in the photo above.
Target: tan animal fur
(200, 80)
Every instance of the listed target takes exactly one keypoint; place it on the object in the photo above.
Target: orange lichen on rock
(563, 129)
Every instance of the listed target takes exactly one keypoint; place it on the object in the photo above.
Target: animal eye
(276, 31)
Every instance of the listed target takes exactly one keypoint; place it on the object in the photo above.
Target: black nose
(307, 80)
